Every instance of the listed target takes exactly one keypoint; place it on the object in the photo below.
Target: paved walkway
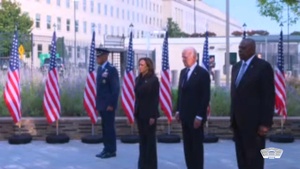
(76, 155)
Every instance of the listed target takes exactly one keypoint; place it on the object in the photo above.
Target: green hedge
(72, 99)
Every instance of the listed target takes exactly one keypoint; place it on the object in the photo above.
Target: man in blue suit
(108, 88)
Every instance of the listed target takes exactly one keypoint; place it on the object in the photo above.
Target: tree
(174, 29)
(251, 33)
(277, 10)
(295, 33)
(12, 17)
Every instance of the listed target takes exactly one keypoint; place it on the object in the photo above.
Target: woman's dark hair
(149, 64)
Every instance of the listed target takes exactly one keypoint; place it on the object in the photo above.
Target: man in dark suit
(252, 105)
(108, 88)
(192, 103)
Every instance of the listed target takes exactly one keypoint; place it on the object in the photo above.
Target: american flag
(128, 85)
(205, 61)
(51, 101)
(89, 100)
(205, 56)
(12, 92)
(165, 95)
(280, 98)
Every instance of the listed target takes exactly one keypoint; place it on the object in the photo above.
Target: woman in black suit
(146, 113)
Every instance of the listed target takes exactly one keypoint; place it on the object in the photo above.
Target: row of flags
(51, 100)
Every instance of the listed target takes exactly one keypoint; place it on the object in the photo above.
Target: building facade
(74, 20)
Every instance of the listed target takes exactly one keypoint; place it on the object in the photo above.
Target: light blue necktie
(241, 74)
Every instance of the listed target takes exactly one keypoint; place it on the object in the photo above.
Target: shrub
(72, 87)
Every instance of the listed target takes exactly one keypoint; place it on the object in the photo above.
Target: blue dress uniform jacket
(108, 87)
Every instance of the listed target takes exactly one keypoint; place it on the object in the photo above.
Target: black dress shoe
(108, 155)
(100, 154)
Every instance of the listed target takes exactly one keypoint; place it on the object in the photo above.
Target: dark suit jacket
(252, 102)
(108, 87)
(146, 97)
(194, 96)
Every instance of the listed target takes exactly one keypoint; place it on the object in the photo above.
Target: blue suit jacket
(108, 87)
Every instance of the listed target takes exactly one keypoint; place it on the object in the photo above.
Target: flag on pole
(127, 93)
(51, 101)
(165, 95)
(205, 61)
(12, 93)
(89, 99)
(205, 56)
(280, 90)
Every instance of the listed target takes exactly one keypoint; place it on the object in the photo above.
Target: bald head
(246, 49)
(189, 56)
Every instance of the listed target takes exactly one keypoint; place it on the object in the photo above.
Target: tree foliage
(278, 10)
(11, 17)
(251, 33)
(174, 29)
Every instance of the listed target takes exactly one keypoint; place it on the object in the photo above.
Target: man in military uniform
(108, 88)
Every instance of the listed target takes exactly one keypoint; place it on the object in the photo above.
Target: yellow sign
(21, 51)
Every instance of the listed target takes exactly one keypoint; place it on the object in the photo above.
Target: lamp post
(75, 23)
(244, 33)
(227, 44)
(195, 27)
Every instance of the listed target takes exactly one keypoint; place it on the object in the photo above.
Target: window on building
(99, 28)
(39, 49)
(48, 1)
(118, 33)
(92, 6)
(70, 51)
(84, 5)
(111, 11)
(133, 2)
(150, 20)
(49, 48)
(78, 52)
(142, 32)
(112, 30)
(68, 24)
(138, 34)
(77, 26)
(137, 3)
(150, 6)
(93, 27)
(99, 8)
(84, 26)
(76, 4)
(58, 2)
(123, 14)
(37, 20)
(123, 31)
(117, 13)
(105, 10)
(58, 26)
(48, 22)
(105, 29)
(128, 15)
(68, 3)
(142, 3)
(137, 17)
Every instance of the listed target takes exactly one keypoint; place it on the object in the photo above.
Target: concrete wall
(76, 127)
